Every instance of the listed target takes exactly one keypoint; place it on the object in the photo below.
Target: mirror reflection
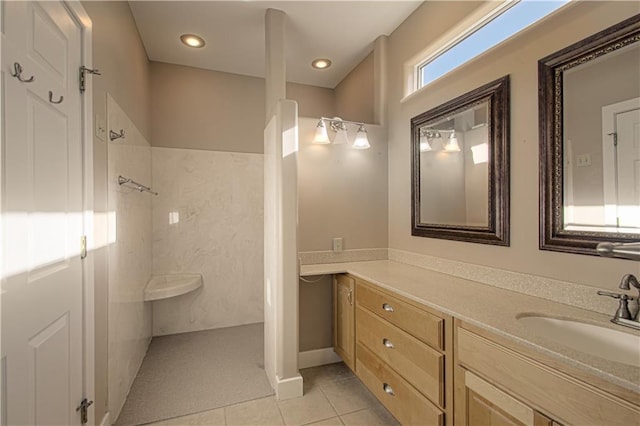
(460, 167)
(589, 149)
(601, 143)
(454, 156)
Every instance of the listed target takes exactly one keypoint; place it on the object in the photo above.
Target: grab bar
(123, 180)
(629, 251)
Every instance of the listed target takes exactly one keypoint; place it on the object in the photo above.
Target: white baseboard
(317, 357)
(106, 420)
(289, 388)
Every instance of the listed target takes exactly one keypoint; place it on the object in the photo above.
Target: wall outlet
(337, 245)
(584, 160)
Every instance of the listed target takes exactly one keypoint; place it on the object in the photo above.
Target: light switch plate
(101, 128)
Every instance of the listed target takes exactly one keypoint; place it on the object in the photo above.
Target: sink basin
(164, 286)
(602, 342)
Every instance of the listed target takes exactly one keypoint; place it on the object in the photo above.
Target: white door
(42, 286)
(628, 153)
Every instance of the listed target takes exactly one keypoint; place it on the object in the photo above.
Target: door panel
(42, 210)
(49, 355)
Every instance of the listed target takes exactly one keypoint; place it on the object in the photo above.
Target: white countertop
(491, 308)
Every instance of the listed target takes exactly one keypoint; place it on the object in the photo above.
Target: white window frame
(467, 26)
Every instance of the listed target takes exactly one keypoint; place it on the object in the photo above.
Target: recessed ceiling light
(321, 64)
(192, 40)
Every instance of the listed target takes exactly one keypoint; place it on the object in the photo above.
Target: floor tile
(263, 411)
(312, 407)
(370, 417)
(327, 373)
(348, 395)
(208, 418)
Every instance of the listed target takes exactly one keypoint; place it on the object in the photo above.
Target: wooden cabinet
(401, 356)
(344, 340)
(500, 383)
(427, 370)
(486, 405)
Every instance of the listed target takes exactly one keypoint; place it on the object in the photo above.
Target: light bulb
(192, 40)
(424, 144)
(321, 134)
(341, 136)
(452, 143)
(361, 142)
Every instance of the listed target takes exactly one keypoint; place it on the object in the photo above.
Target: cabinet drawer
(400, 398)
(564, 397)
(419, 323)
(416, 362)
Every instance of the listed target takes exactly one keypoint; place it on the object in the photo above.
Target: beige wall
(200, 109)
(195, 108)
(354, 94)
(619, 81)
(119, 55)
(342, 193)
(518, 58)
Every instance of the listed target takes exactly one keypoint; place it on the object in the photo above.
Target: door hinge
(83, 71)
(83, 247)
(84, 410)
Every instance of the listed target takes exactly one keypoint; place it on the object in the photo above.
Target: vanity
(440, 350)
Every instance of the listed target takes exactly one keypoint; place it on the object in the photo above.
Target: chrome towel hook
(17, 73)
(114, 135)
(59, 101)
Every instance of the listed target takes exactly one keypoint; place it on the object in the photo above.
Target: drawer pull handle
(387, 343)
(387, 307)
(388, 389)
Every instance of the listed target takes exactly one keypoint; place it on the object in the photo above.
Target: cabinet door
(487, 405)
(344, 319)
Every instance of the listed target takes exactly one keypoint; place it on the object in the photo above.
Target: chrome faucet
(625, 284)
(623, 308)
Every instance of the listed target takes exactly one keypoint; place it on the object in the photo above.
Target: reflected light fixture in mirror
(452, 143)
(192, 40)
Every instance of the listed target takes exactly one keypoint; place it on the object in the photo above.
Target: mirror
(590, 141)
(460, 168)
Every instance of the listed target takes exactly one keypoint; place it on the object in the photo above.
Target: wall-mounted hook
(114, 135)
(17, 73)
(59, 101)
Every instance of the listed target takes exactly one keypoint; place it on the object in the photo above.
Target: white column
(275, 62)
(280, 219)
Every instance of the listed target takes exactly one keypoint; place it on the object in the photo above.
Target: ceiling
(343, 31)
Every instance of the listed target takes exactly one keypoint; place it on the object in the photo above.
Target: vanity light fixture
(321, 63)
(339, 126)
(192, 40)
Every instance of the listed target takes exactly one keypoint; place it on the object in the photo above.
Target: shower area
(185, 277)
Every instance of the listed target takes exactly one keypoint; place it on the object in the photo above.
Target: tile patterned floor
(332, 396)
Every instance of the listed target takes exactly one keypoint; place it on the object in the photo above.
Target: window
(505, 21)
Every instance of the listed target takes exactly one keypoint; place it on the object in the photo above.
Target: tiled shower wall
(208, 219)
(129, 231)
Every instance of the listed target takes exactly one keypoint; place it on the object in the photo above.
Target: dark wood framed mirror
(460, 168)
(589, 105)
